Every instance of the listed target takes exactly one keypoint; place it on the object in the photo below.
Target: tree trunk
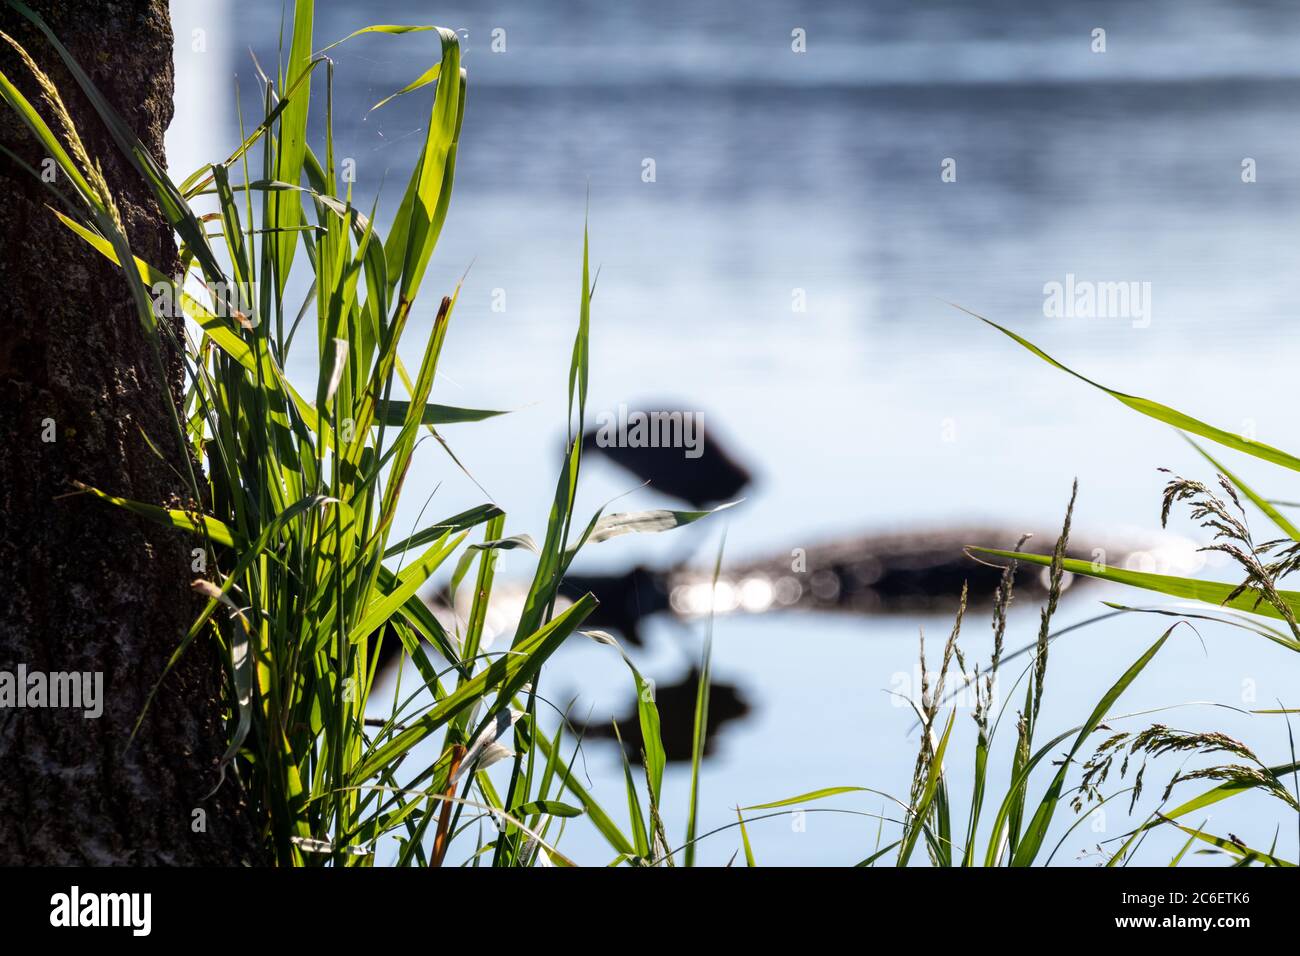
(84, 586)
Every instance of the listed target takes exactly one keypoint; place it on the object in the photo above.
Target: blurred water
(881, 406)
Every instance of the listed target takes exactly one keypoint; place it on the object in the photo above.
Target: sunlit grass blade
(1260, 502)
(640, 832)
(378, 28)
(459, 522)
(424, 79)
(210, 528)
(646, 522)
(917, 822)
(648, 715)
(49, 142)
(423, 209)
(168, 196)
(1239, 850)
(1162, 413)
(1223, 791)
(602, 821)
(1209, 592)
(1036, 831)
(701, 727)
(505, 674)
(408, 582)
(744, 840)
(808, 797)
(551, 563)
(396, 412)
(286, 206)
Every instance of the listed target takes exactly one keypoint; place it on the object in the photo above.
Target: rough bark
(84, 586)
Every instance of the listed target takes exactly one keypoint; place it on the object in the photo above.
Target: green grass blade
(1036, 832)
(508, 673)
(702, 687)
(646, 522)
(1260, 502)
(212, 529)
(1238, 850)
(1162, 413)
(51, 143)
(647, 714)
(808, 797)
(408, 583)
(744, 839)
(286, 205)
(640, 832)
(601, 820)
(1209, 592)
(917, 824)
(552, 562)
(423, 210)
(170, 201)
(397, 412)
(424, 79)
(459, 522)
(1178, 857)
(377, 28)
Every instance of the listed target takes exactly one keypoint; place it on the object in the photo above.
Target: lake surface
(881, 407)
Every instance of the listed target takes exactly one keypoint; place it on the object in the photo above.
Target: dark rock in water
(676, 705)
(890, 573)
(869, 574)
(918, 573)
(712, 476)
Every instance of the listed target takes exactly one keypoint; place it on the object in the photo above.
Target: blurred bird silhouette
(915, 572)
(676, 706)
(711, 478)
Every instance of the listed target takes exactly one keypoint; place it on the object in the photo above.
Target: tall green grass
(1020, 832)
(294, 490)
